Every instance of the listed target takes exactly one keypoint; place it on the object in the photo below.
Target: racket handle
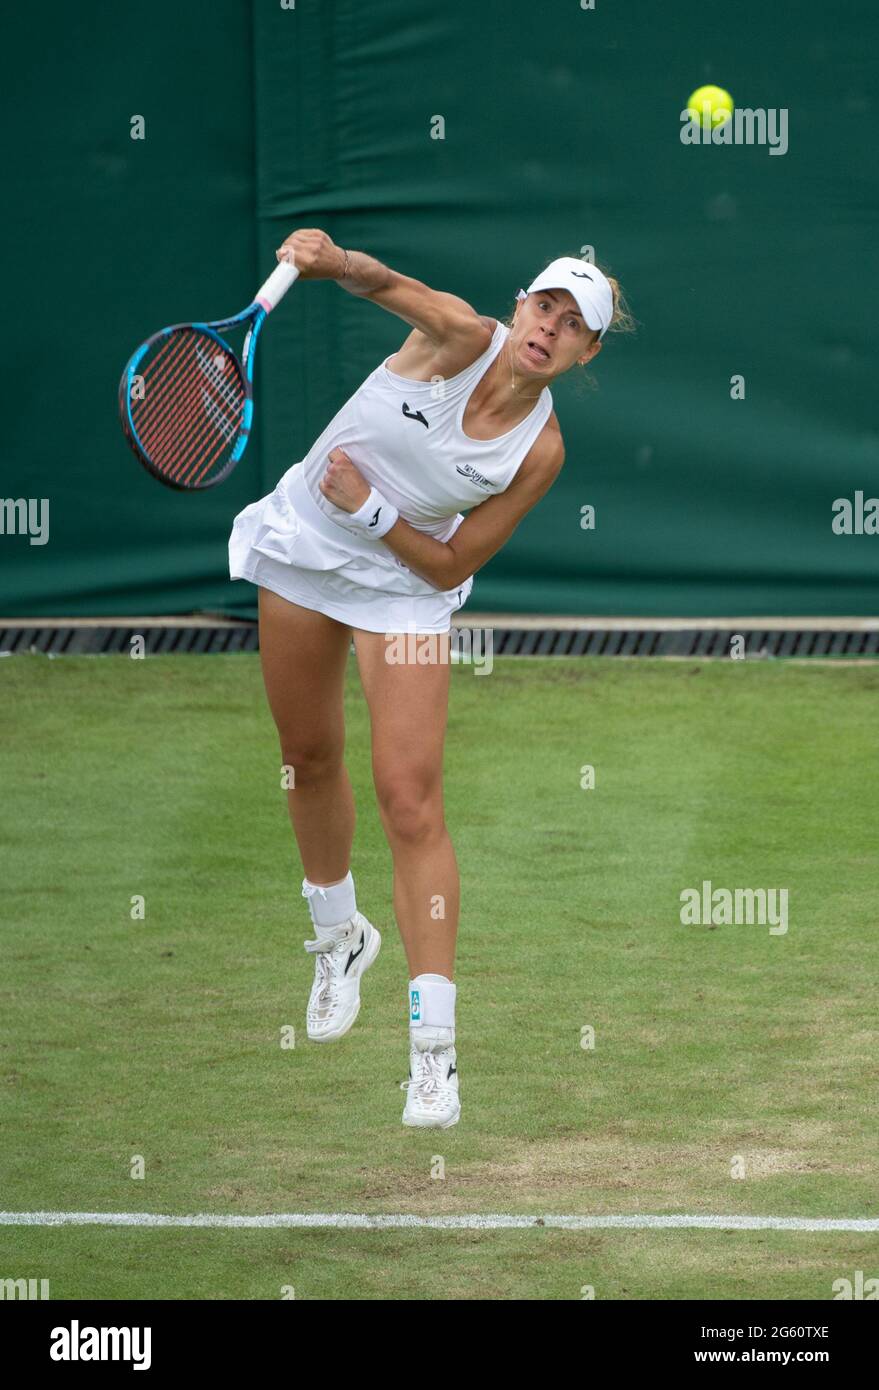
(272, 292)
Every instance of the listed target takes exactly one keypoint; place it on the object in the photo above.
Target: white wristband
(376, 517)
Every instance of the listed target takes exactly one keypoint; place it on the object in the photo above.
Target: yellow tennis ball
(710, 106)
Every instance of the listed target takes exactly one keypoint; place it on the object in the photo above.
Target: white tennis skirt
(284, 543)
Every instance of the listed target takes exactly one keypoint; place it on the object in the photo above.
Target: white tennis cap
(587, 284)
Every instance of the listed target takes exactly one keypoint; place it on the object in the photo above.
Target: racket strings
(168, 389)
(180, 436)
(176, 430)
(194, 410)
(187, 425)
(190, 413)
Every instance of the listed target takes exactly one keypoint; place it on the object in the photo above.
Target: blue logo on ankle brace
(415, 1006)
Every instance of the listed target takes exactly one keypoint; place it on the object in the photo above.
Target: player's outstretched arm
(439, 316)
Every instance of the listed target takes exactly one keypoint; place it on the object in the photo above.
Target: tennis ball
(710, 106)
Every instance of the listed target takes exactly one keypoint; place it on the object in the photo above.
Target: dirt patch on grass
(767, 1163)
(585, 1169)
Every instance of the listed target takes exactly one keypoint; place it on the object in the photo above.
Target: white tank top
(407, 439)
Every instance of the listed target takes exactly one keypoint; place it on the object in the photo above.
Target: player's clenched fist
(343, 484)
(315, 255)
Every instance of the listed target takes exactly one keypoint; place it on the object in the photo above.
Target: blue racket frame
(255, 314)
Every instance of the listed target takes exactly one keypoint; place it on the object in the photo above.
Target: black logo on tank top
(414, 415)
(469, 472)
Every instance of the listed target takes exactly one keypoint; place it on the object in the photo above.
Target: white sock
(431, 1011)
(330, 904)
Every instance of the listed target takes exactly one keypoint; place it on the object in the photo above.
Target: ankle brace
(431, 1010)
(332, 905)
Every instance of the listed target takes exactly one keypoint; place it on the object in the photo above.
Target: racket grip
(272, 292)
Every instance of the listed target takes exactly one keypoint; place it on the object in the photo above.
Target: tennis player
(366, 536)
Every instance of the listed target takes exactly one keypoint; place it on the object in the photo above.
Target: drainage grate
(161, 638)
(684, 642)
(104, 640)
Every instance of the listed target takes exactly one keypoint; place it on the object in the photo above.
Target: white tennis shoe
(341, 955)
(432, 1100)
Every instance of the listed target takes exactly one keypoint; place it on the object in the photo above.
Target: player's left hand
(343, 484)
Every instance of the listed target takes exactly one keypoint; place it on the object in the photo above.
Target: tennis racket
(186, 400)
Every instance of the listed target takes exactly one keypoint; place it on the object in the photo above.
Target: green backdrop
(561, 130)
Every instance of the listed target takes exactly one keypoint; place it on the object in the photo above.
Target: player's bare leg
(304, 656)
(408, 704)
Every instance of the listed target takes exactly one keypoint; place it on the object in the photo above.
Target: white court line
(477, 1222)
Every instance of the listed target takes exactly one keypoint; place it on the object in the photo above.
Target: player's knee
(411, 811)
(310, 764)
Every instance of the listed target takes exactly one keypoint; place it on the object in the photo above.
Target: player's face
(550, 335)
